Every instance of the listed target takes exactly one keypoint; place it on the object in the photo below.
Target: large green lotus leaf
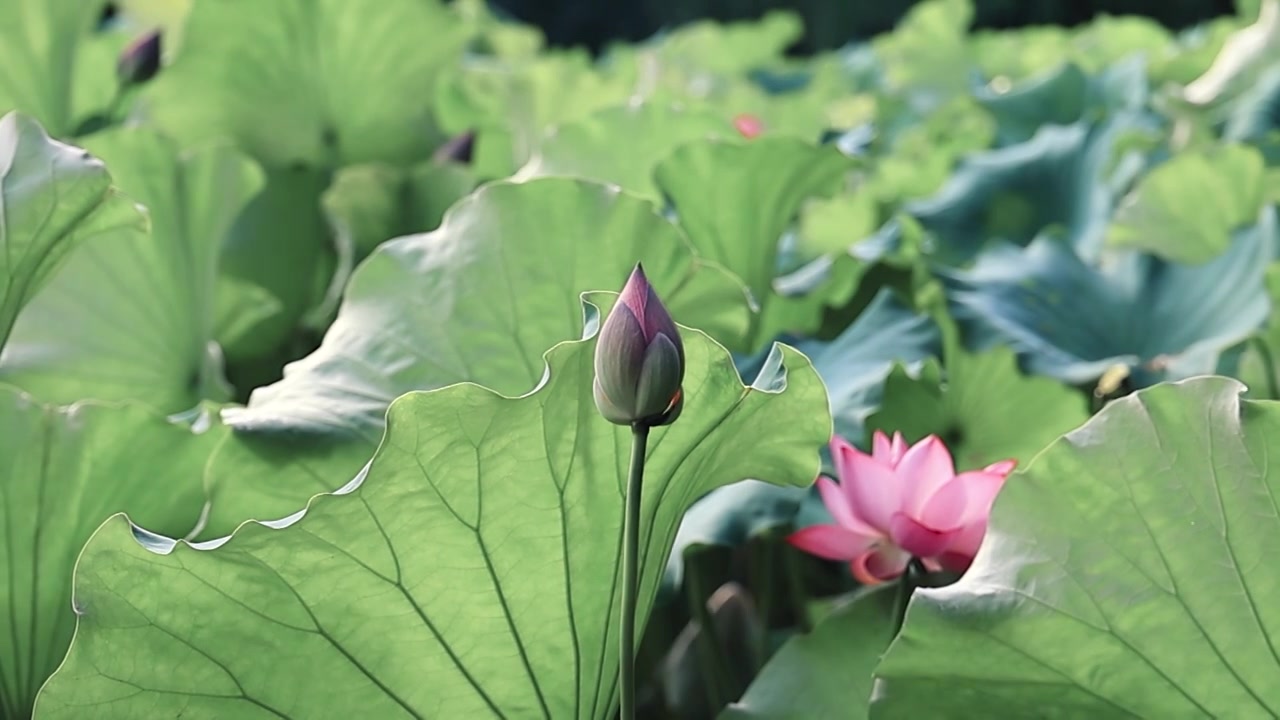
(63, 470)
(53, 197)
(1186, 209)
(478, 300)
(323, 83)
(826, 673)
(481, 298)
(1126, 573)
(133, 319)
(735, 200)
(589, 148)
(39, 43)
(510, 105)
(477, 559)
(1072, 321)
(983, 407)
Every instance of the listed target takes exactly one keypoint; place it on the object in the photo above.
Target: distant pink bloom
(749, 126)
(901, 502)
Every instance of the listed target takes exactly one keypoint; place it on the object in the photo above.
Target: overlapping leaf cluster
(326, 272)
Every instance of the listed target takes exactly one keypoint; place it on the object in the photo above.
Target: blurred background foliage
(828, 23)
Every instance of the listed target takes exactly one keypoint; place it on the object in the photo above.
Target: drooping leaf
(827, 672)
(322, 84)
(982, 407)
(39, 45)
(735, 200)
(478, 557)
(1074, 322)
(1186, 209)
(590, 148)
(63, 470)
(133, 318)
(477, 300)
(53, 197)
(1126, 573)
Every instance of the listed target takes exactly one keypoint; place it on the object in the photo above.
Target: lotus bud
(140, 61)
(639, 359)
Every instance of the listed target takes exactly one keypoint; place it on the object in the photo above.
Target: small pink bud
(748, 125)
(140, 61)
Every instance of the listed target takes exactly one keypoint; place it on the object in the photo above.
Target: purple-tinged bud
(639, 359)
(140, 61)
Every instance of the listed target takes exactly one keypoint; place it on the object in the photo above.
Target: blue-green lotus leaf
(1074, 321)
(1057, 97)
(855, 364)
(1055, 180)
(1256, 113)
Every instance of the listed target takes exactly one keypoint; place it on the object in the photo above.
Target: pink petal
(917, 539)
(945, 510)
(923, 469)
(981, 489)
(837, 503)
(831, 542)
(881, 449)
(1004, 467)
(883, 563)
(898, 448)
(965, 544)
(872, 487)
(888, 451)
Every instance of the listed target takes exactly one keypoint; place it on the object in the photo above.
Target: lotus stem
(631, 570)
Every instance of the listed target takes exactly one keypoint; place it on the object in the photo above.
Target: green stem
(907, 585)
(630, 571)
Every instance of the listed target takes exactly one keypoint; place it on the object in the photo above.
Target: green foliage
(326, 272)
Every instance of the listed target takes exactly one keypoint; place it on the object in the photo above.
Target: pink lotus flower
(901, 502)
